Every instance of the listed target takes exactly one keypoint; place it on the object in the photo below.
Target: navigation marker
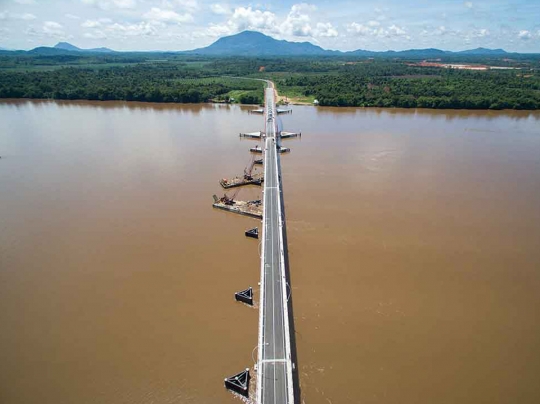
(253, 233)
(239, 383)
(245, 296)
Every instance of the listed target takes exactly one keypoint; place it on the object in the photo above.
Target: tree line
(332, 81)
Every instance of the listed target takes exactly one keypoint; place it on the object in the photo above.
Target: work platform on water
(238, 182)
(246, 208)
(275, 383)
(252, 135)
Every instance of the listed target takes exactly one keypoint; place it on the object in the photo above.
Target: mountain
(48, 51)
(256, 44)
(62, 48)
(70, 47)
(414, 53)
(66, 46)
(483, 51)
(252, 43)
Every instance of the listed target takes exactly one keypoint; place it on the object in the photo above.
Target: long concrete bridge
(275, 382)
(274, 367)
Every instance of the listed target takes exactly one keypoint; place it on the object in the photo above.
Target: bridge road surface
(274, 368)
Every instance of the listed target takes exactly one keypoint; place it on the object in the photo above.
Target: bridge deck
(274, 381)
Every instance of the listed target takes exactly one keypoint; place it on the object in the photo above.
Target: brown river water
(414, 246)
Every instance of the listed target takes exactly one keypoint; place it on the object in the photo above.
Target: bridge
(274, 366)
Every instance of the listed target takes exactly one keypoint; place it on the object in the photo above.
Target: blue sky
(338, 24)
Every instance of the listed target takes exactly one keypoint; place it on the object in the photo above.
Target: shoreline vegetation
(360, 82)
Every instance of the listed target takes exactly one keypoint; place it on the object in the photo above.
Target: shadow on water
(294, 352)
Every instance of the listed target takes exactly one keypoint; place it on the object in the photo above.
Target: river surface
(414, 245)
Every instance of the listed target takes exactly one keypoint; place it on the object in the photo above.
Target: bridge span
(274, 366)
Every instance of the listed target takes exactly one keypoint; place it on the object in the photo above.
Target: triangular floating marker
(245, 296)
(239, 383)
(253, 233)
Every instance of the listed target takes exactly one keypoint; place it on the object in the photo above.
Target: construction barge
(252, 135)
(246, 208)
(238, 182)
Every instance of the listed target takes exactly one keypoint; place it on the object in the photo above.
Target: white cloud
(97, 34)
(394, 30)
(25, 1)
(524, 35)
(247, 18)
(377, 31)
(167, 16)
(359, 29)
(52, 29)
(220, 9)
(190, 5)
(111, 4)
(297, 22)
(218, 30)
(6, 15)
(325, 30)
(91, 24)
(72, 17)
(373, 23)
(28, 17)
(481, 33)
(132, 30)
(468, 4)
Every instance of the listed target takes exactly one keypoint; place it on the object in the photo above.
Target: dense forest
(151, 83)
(332, 81)
(443, 88)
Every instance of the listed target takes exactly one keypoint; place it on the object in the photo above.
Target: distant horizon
(343, 25)
(299, 41)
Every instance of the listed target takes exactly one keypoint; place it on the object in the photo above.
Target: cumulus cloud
(111, 4)
(72, 17)
(132, 30)
(468, 4)
(96, 23)
(49, 28)
(376, 30)
(220, 9)
(246, 18)
(325, 30)
(297, 23)
(524, 35)
(481, 33)
(167, 16)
